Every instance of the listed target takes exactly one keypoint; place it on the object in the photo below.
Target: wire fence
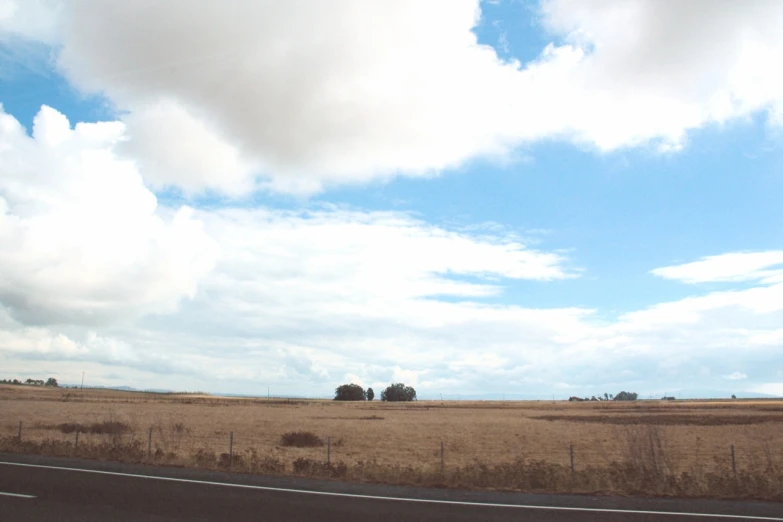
(177, 441)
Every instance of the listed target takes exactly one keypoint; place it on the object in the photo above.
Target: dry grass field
(649, 447)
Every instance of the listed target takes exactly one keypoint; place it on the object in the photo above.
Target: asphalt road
(52, 489)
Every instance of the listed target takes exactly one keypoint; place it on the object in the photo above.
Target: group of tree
(622, 396)
(352, 392)
(393, 393)
(51, 381)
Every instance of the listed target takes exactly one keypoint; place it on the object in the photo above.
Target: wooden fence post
(442, 461)
(328, 451)
(733, 461)
(571, 451)
(149, 443)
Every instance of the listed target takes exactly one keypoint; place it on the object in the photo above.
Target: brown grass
(647, 447)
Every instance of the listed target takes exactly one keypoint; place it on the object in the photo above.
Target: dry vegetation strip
(676, 448)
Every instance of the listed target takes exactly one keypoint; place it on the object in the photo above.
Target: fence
(178, 442)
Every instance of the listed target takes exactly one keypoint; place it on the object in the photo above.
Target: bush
(314, 468)
(109, 428)
(98, 428)
(301, 439)
(398, 393)
(350, 392)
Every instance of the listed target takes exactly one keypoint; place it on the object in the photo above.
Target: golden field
(670, 438)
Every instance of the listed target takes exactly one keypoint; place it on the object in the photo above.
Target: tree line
(622, 396)
(51, 381)
(397, 392)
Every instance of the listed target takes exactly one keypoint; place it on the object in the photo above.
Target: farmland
(427, 442)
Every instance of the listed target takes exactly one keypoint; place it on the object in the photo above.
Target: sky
(476, 198)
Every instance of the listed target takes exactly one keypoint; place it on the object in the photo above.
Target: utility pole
(82, 380)
(267, 393)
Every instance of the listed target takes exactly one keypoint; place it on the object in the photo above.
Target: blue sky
(518, 197)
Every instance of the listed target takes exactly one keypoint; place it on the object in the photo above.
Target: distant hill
(118, 388)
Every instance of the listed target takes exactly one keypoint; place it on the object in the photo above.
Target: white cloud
(81, 238)
(30, 19)
(302, 94)
(770, 388)
(736, 376)
(95, 272)
(174, 149)
(730, 267)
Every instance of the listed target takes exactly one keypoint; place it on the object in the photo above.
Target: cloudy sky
(500, 197)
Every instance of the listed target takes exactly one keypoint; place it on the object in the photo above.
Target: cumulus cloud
(300, 94)
(174, 149)
(90, 263)
(294, 96)
(81, 237)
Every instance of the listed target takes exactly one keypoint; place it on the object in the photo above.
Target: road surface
(53, 489)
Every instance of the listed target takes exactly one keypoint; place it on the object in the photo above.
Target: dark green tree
(398, 393)
(626, 396)
(370, 394)
(51, 381)
(349, 392)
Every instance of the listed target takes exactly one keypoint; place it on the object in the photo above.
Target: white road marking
(397, 499)
(18, 495)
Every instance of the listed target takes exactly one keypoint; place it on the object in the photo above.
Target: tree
(398, 392)
(349, 392)
(733, 396)
(626, 396)
(606, 396)
(51, 381)
(370, 394)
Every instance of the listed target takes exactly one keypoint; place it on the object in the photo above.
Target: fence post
(328, 450)
(571, 451)
(733, 461)
(442, 463)
(149, 443)
(76, 441)
(230, 448)
(19, 436)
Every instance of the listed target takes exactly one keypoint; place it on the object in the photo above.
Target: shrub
(349, 392)
(314, 468)
(70, 427)
(109, 428)
(98, 428)
(301, 439)
(398, 393)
